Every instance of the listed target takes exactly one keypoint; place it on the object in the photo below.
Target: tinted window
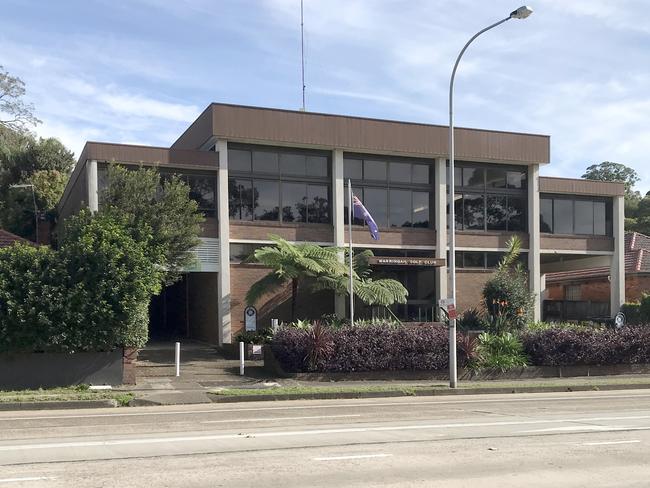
(375, 200)
(546, 215)
(318, 204)
(267, 200)
(563, 216)
(516, 179)
(239, 160)
(240, 199)
(584, 217)
(600, 218)
(495, 178)
(517, 214)
(473, 259)
(458, 176)
(353, 169)
(497, 212)
(473, 177)
(294, 197)
(292, 164)
(202, 190)
(420, 209)
(265, 162)
(374, 170)
(317, 166)
(421, 174)
(492, 259)
(400, 208)
(473, 210)
(400, 172)
(458, 209)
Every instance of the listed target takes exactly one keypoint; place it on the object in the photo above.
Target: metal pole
(350, 213)
(177, 356)
(302, 51)
(241, 359)
(453, 374)
(35, 213)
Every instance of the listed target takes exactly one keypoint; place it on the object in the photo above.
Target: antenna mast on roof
(302, 51)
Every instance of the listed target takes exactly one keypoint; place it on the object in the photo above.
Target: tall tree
(15, 114)
(608, 171)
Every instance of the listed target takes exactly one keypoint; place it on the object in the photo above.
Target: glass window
(562, 216)
(358, 192)
(400, 208)
(458, 209)
(292, 164)
(317, 166)
(318, 210)
(353, 169)
(517, 180)
(376, 201)
(420, 209)
(374, 170)
(546, 215)
(241, 252)
(458, 176)
(240, 199)
(497, 212)
(493, 259)
(267, 200)
(400, 172)
(421, 174)
(584, 217)
(517, 214)
(495, 178)
(600, 218)
(203, 191)
(459, 258)
(473, 212)
(265, 162)
(472, 259)
(239, 160)
(294, 197)
(473, 178)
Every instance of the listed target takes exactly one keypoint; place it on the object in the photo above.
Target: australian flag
(360, 212)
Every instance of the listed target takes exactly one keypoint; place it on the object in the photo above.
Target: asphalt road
(561, 440)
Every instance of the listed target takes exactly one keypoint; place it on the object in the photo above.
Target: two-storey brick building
(259, 171)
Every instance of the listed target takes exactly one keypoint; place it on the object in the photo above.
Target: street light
(29, 185)
(520, 13)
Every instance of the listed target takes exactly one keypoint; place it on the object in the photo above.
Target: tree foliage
(321, 268)
(158, 211)
(609, 171)
(15, 114)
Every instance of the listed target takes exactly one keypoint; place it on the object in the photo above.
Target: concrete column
(338, 202)
(534, 241)
(617, 272)
(92, 185)
(440, 221)
(223, 286)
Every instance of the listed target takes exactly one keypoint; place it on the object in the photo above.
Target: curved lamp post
(520, 13)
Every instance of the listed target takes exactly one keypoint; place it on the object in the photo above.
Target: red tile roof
(637, 260)
(7, 239)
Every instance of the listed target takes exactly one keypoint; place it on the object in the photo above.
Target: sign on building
(250, 318)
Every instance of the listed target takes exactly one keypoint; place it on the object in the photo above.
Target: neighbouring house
(8, 239)
(259, 171)
(584, 293)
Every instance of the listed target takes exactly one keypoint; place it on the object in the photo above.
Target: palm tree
(292, 263)
(323, 269)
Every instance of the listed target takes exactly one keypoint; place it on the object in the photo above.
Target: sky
(139, 71)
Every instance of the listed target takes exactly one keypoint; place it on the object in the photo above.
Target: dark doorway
(168, 312)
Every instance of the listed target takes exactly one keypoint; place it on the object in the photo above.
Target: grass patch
(310, 390)
(66, 394)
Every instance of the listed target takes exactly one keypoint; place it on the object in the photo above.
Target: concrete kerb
(58, 405)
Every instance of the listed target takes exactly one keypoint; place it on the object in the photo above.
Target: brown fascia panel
(148, 155)
(575, 186)
(358, 134)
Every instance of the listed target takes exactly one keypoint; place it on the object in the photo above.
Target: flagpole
(350, 213)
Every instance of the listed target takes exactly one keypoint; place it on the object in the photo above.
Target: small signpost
(250, 318)
(450, 306)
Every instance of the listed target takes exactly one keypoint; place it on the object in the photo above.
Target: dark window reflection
(473, 177)
(420, 209)
(400, 208)
(318, 211)
(600, 218)
(497, 212)
(473, 212)
(495, 178)
(546, 215)
(240, 199)
(472, 259)
(267, 203)
(517, 214)
(317, 166)
(352, 169)
(517, 180)
(374, 170)
(203, 191)
(239, 160)
(376, 201)
(294, 196)
(292, 164)
(265, 162)
(562, 216)
(584, 217)
(400, 172)
(421, 174)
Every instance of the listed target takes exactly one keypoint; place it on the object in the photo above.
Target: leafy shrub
(540, 326)
(468, 344)
(471, 319)
(262, 336)
(500, 351)
(564, 347)
(644, 308)
(366, 348)
(632, 313)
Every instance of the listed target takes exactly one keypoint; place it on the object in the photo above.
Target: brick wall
(291, 232)
(274, 305)
(469, 288)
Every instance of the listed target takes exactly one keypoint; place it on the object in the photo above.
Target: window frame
(552, 197)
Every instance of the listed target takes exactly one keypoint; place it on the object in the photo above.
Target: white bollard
(274, 325)
(241, 359)
(178, 359)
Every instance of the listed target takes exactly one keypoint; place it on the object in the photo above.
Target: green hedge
(90, 295)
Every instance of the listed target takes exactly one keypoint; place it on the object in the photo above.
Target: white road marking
(360, 456)
(609, 443)
(31, 478)
(151, 412)
(161, 440)
(603, 428)
(273, 419)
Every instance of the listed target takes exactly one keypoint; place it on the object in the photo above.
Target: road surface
(582, 439)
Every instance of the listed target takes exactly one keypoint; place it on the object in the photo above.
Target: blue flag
(360, 212)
